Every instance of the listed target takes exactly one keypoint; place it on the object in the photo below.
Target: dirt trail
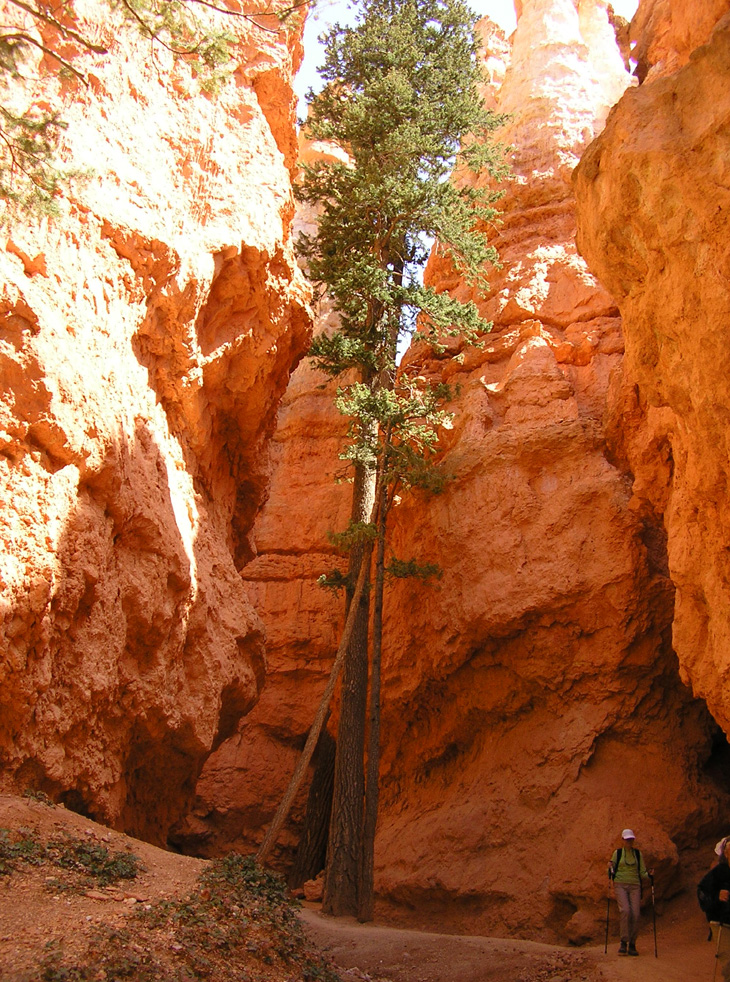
(377, 952)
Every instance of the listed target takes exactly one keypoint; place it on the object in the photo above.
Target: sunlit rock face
(654, 200)
(533, 697)
(243, 781)
(147, 334)
(664, 33)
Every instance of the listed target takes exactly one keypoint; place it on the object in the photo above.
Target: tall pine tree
(402, 99)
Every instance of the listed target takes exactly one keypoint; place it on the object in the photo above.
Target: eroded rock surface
(147, 334)
(242, 782)
(532, 696)
(534, 703)
(654, 195)
(664, 33)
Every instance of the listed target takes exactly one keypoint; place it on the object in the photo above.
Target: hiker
(713, 891)
(627, 870)
(720, 849)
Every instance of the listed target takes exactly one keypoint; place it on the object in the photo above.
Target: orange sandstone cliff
(147, 333)
(243, 780)
(532, 695)
(654, 213)
(163, 640)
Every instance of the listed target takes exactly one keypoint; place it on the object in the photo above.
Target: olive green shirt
(628, 870)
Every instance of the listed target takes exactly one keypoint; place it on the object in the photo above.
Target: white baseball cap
(627, 834)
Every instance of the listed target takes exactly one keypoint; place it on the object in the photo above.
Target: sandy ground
(31, 916)
(379, 952)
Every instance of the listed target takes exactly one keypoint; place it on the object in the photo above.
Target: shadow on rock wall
(141, 654)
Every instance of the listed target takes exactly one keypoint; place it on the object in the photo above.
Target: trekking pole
(608, 910)
(717, 951)
(653, 913)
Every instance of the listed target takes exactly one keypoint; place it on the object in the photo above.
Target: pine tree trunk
(366, 898)
(319, 720)
(345, 836)
(312, 849)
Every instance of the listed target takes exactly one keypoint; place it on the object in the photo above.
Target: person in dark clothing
(714, 888)
(713, 892)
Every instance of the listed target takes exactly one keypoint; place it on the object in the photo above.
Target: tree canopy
(402, 99)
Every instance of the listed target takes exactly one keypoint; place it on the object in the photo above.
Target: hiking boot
(623, 948)
(632, 949)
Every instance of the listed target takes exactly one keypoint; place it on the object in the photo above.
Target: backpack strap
(618, 861)
(619, 854)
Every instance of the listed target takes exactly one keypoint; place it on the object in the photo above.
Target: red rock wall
(533, 702)
(533, 697)
(654, 196)
(242, 782)
(147, 334)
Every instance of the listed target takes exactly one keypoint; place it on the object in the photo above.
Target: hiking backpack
(637, 853)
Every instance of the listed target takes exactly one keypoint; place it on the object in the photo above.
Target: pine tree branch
(250, 17)
(13, 151)
(238, 13)
(28, 39)
(66, 31)
(258, 13)
(155, 35)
